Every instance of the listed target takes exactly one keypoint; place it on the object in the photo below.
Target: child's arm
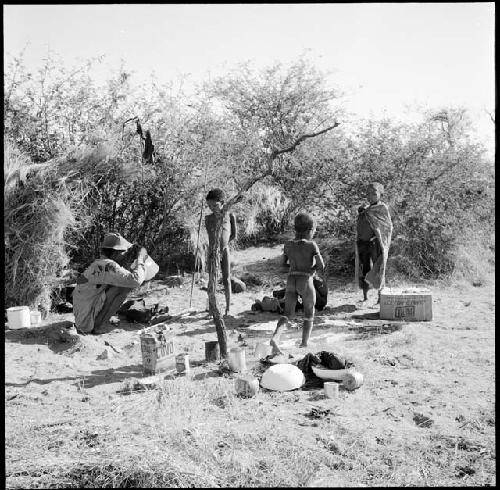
(320, 263)
(285, 254)
(234, 230)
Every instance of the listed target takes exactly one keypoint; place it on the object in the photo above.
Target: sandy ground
(453, 354)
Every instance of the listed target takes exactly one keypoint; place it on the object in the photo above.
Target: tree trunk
(214, 268)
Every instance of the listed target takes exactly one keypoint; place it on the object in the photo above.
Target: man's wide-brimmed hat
(115, 241)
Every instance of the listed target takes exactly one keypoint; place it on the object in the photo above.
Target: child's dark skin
(373, 196)
(305, 259)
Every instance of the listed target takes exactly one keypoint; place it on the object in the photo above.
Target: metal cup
(331, 389)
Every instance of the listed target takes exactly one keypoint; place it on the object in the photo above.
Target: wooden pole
(196, 251)
(356, 255)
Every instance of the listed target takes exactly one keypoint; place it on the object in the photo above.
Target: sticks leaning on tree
(196, 261)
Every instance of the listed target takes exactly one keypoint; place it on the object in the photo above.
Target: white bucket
(18, 317)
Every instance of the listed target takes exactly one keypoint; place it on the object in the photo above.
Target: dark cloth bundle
(324, 359)
(321, 293)
(138, 311)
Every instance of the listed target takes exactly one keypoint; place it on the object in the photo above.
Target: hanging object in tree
(148, 148)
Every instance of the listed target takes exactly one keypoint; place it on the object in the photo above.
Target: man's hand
(142, 254)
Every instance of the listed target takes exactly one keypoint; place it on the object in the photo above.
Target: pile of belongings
(321, 295)
(273, 305)
(276, 304)
(141, 311)
(323, 359)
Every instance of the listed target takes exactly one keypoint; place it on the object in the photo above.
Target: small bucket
(331, 389)
(262, 350)
(247, 386)
(182, 363)
(212, 351)
(352, 380)
(35, 318)
(236, 359)
(18, 317)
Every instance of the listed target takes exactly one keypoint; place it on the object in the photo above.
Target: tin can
(236, 359)
(182, 363)
(212, 351)
(36, 318)
(331, 389)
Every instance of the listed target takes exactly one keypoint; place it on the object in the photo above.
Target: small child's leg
(290, 302)
(282, 324)
(308, 300)
(306, 332)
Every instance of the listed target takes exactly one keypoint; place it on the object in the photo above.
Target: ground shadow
(239, 322)
(367, 316)
(110, 375)
(364, 332)
(198, 331)
(55, 336)
(42, 381)
(98, 377)
(333, 310)
(210, 374)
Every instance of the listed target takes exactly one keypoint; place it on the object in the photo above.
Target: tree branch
(291, 148)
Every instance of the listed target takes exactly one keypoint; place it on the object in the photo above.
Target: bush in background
(437, 179)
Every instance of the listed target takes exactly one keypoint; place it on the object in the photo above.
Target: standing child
(374, 230)
(305, 258)
(215, 201)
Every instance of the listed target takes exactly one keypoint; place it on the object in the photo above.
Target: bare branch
(269, 170)
(491, 115)
(236, 199)
(276, 153)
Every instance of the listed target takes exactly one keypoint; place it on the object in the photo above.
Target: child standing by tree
(305, 258)
(374, 230)
(215, 201)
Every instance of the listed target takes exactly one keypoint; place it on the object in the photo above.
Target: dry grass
(39, 210)
(43, 203)
(475, 258)
(196, 431)
(263, 211)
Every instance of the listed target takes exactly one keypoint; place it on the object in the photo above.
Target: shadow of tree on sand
(55, 336)
(364, 332)
(95, 378)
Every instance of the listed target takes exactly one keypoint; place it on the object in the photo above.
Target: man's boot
(306, 332)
